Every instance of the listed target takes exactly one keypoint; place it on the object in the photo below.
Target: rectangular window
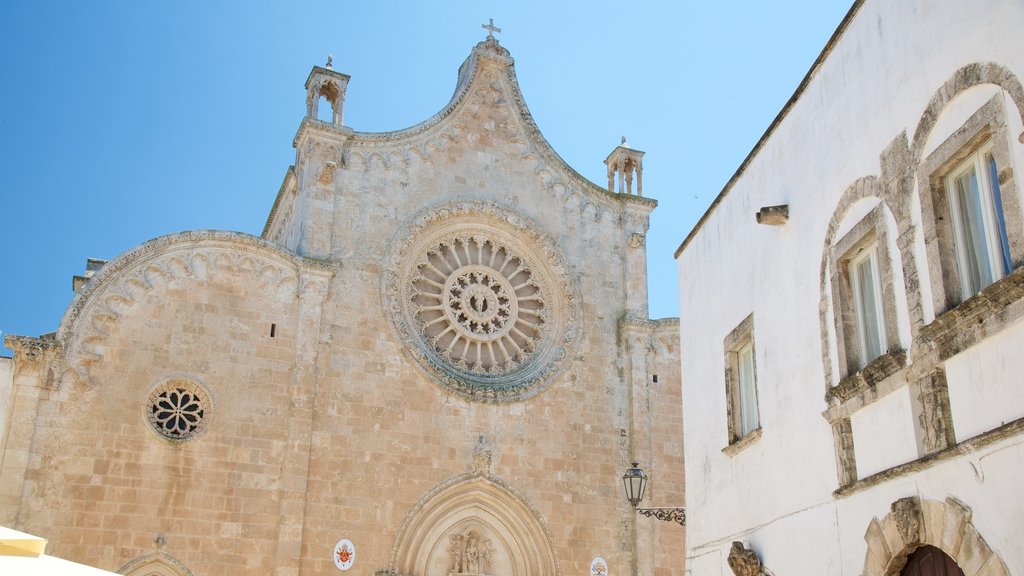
(867, 304)
(747, 391)
(744, 422)
(979, 228)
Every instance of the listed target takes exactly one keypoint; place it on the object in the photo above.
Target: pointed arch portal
(472, 526)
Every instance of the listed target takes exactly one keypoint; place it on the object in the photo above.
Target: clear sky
(125, 120)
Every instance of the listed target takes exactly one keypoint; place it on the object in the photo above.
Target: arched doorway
(930, 561)
(942, 529)
(473, 525)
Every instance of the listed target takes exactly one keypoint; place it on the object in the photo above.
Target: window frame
(984, 132)
(741, 397)
(869, 231)
(868, 255)
(990, 218)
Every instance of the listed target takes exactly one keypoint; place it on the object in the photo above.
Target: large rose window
(481, 300)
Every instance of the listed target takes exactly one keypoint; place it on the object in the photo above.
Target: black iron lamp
(635, 482)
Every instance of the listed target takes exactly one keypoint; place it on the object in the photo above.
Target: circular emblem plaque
(481, 300)
(344, 554)
(598, 567)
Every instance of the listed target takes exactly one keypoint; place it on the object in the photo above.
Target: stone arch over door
(913, 523)
(473, 525)
(155, 564)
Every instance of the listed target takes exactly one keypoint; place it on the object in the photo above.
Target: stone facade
(869, 452)
(438, 349)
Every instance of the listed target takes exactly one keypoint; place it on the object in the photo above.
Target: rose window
(478, 305)
(481, 300)
(178, 410)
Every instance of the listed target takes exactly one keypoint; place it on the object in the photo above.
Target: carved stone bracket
(677, 515)
(909, 519)
(744, 561)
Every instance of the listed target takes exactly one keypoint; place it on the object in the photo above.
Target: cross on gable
(491, 28)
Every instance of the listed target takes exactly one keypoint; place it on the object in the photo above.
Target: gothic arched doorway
(473, 525)
(930, 561)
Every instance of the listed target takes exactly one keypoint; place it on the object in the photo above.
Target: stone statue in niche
(470, 553)
(482, 456)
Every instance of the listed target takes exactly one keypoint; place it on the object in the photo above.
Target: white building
(851, 312)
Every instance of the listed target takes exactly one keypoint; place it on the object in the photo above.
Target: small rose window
(178, 409)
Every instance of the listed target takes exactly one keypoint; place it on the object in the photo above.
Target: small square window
(741, 381)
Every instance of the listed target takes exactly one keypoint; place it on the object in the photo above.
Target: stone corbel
(744, 561)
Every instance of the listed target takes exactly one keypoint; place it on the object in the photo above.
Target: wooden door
(930, 561)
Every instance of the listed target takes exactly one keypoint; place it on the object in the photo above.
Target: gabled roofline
(825, 52)
(492, 50)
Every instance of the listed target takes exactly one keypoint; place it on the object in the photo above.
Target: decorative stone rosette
(481, 300)
(178, 409)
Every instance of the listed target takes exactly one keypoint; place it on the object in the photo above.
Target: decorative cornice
(118, 285)
(877, 370)
(963, 326)
(490, 51)
(289, 183)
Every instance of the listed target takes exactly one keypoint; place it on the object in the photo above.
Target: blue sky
(127, 120)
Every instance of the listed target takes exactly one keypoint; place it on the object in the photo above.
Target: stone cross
(491, 28)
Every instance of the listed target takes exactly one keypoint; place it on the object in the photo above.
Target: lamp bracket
(677, 515)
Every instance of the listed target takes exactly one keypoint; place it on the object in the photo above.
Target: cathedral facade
(436, 359)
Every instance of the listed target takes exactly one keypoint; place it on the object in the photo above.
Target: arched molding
(862, 191)
(913, 522)
(480, 502)
(971, 75)
(156, 564)
(195, 255)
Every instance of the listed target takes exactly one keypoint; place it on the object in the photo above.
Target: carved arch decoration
(864, 189)
(969, 76)
(156, 564)
(125, 281)
(479, 510)
(913, 522)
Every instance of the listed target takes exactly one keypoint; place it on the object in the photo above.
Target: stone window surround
(739, 337)
(870, 229)
(957, 325)
(987, 123)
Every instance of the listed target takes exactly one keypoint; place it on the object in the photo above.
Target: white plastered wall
(777, 493)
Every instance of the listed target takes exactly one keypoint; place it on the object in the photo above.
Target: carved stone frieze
(123, 282)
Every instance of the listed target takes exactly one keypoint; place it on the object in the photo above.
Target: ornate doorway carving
(473, 526)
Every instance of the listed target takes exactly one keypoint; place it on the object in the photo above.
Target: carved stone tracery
(480, 299)
(477, 303)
